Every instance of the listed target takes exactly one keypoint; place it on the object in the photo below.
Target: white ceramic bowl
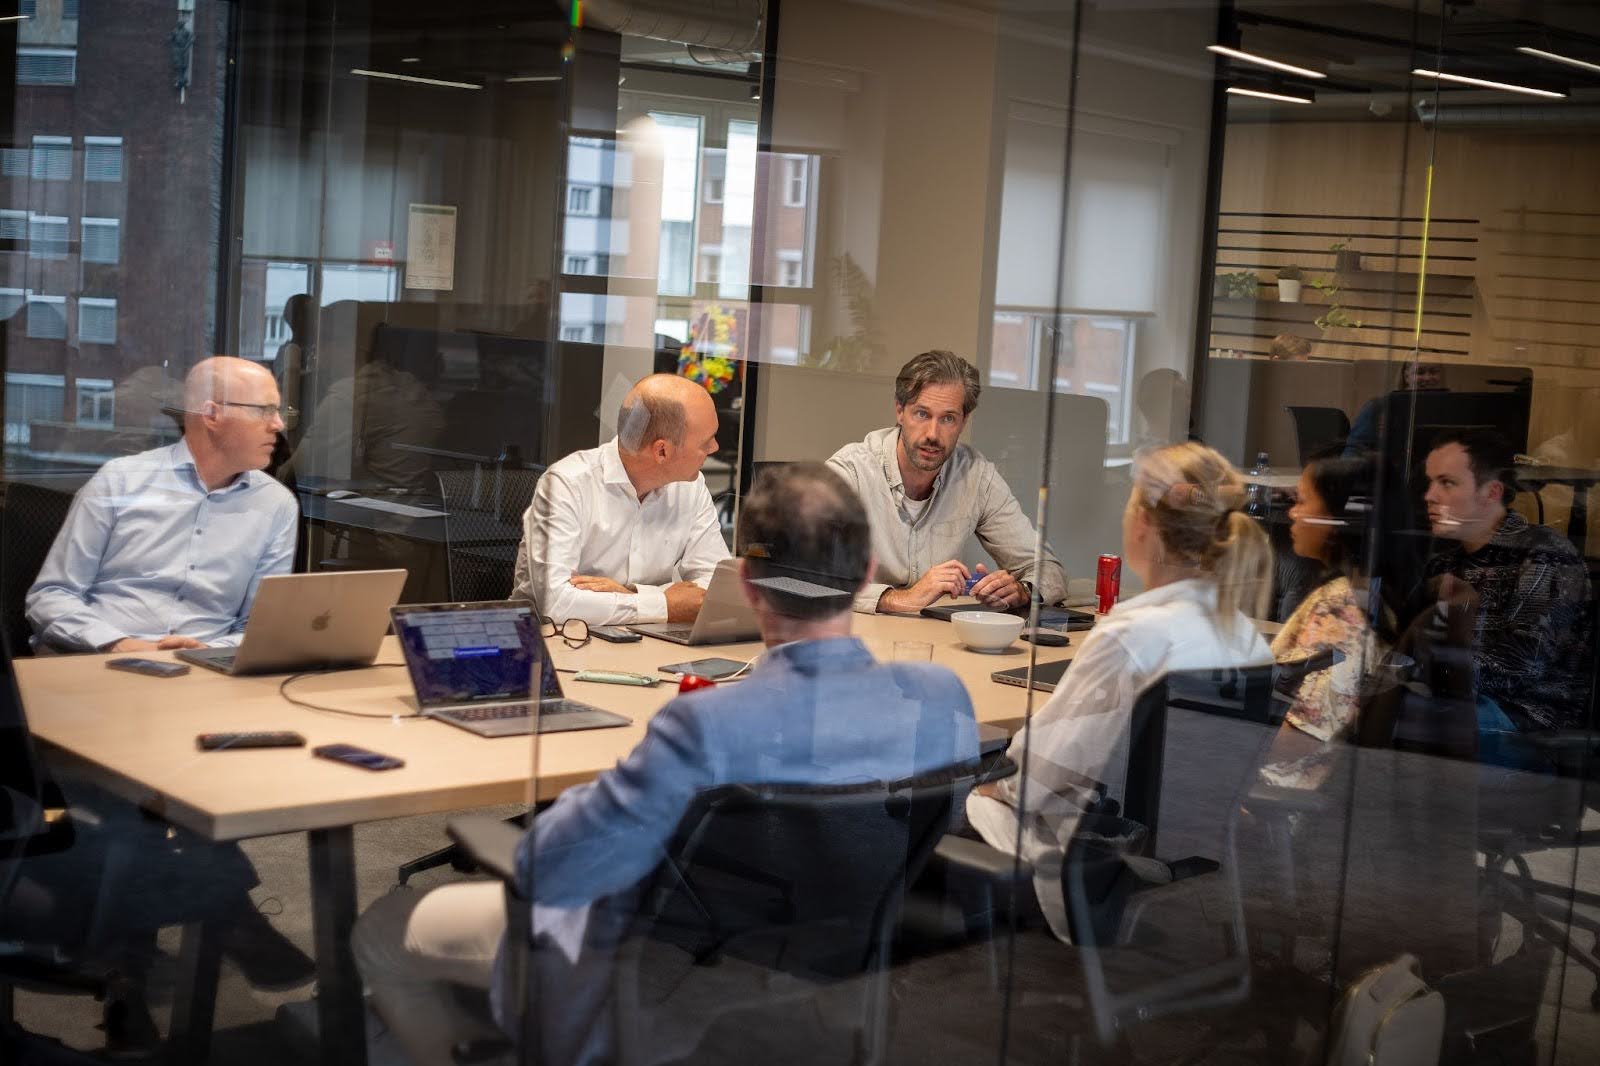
(987, 631)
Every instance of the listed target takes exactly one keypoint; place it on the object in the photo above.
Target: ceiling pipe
(1548, 116)
(734, 25)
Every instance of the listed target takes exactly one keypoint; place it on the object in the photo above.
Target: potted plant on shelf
(1289, 284)
(1240, 285)
(1346, 260)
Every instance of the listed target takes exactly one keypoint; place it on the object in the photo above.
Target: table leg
(341, 1012)
(194, 1007)
(1578, 520)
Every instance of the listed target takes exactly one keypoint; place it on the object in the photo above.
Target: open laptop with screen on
(310, 622)
(471, 665)
(725, 616)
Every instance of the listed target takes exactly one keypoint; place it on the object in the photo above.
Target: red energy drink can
(1107, 582)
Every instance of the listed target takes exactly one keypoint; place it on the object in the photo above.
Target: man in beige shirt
(926, 493)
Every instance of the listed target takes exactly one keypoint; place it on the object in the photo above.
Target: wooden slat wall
(1529, 296)
(1382, 295)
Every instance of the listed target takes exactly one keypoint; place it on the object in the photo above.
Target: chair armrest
(489, 842)
(976, 857)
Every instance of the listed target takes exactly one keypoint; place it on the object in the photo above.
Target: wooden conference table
(135, 734)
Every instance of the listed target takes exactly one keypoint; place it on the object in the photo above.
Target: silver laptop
(725, 617)
(472, 664)
(310, 622)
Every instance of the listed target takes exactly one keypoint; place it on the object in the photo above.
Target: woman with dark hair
(1327, 522)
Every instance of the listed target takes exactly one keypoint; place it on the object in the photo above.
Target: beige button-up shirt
(969, 497)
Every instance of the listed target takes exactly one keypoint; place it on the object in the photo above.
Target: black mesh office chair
(769, 897)
(1197, 740)
(1318, 427)
(66, 902)
(483, 526)
(29, 522)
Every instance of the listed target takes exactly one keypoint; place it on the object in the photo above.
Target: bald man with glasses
(164, 549)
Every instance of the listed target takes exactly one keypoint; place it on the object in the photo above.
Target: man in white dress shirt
(627, 532)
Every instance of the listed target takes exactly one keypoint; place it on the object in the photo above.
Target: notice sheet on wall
(431, 247)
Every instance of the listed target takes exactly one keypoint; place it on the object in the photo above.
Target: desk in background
(136, 735)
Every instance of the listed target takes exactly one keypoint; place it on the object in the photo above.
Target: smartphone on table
(149, 667)
(614, 634)
(713, 669)
(354, 756)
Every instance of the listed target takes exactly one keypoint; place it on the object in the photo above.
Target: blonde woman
(1206, 569)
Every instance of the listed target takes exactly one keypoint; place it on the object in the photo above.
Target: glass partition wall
(1283, 306)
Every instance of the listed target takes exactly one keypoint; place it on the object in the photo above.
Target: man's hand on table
(946, 579)
(683, 601)
(172, 643)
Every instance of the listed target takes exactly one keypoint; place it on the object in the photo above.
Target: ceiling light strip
(1485, 83)
(391, 76)
(1239, 90)
(1288, 68)
(1554, 58)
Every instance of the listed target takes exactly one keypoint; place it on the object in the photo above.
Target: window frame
(59, 302)
(50, 51)
(101, 303)
(99, 223)
(43, 147)
(101, 391)
(90, 173)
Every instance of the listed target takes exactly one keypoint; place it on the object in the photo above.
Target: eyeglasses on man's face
(265, 411)
(574, 632)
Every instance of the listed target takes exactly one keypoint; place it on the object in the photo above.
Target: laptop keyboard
(501, 711)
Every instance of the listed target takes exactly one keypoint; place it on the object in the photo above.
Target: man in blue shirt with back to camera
(816, 709)
(164, 549)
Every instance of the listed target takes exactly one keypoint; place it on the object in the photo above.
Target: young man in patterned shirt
(1524, 587)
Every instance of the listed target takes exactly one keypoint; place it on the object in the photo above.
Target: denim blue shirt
(811, 712)
(147, 552)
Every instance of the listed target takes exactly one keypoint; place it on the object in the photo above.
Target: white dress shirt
(586, 518)
(1083, 727)
(147, 551)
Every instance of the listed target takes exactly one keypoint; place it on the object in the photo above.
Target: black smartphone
(257, 739)
(354, 756)
(711, 669)
(614, 634)
(150, 667)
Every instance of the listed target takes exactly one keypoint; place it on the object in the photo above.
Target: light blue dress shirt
(147, 552)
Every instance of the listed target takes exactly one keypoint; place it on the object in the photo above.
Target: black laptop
(1046, 676)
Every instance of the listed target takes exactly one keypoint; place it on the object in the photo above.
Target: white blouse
(1083, 727)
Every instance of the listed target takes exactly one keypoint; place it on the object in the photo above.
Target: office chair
(29, 522)
(769, 897)
(1196, 743)
(1317, 427)
(59, 925)
(483, 526)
